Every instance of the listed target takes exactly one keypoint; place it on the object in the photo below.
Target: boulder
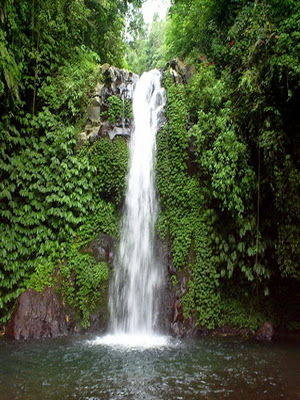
(117, 82)
(93, 134)
(105, 67)
(94, 110)
(265, 332)
(99, 90)
(82, 139)
(119, 131)
(103, 248)
(181, 72)
(37, 315)
(186, 329)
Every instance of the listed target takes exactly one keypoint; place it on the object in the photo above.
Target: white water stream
(135, 288)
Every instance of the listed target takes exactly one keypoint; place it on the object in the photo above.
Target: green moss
(240, 118)
(207, 211)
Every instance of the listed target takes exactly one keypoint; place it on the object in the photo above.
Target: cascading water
(134, 291)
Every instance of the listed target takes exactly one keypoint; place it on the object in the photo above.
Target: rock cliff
(109, 110)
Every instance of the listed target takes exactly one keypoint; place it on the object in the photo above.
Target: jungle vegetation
(51, 195)
(227, 161)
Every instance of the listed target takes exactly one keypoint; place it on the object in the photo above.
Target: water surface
(211, 369)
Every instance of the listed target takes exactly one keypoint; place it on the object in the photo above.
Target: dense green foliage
(75, 275)
(81, 282)
(51, 194)
(118, 109)
(228, 160)
(183, 218)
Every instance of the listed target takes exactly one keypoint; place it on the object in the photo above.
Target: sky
(150, 7)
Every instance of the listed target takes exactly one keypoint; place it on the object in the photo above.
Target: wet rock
(82, 139)
(106, 128)
(187, 329)
(167, 296)
(37, 315)
(178, 312)
(265, 332)
(99, 323)
(94, 110)
(119, 131)
(103, 248)
(174, 321)
(181, 72)
(117, 82)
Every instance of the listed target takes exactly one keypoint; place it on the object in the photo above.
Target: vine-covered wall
(228, 161)
(56, 198)
(53, 196)
(224, 259)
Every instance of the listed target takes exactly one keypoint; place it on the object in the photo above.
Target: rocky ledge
(38, 315)
(102, 248)
(44, 315)
(116, 84)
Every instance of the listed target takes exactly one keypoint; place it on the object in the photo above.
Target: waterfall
(138, 277)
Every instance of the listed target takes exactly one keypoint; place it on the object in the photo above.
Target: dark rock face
(167, 295)
(172, 318)
(186, 328)
(38, 315)
(181, 72)
(178, 312)
(117, 82)
(99, 324)
(177, 325)
(103, 248)
(265, 332)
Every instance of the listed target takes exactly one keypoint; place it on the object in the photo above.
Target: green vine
(183, 219)
(82, 283)
(118, 109)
